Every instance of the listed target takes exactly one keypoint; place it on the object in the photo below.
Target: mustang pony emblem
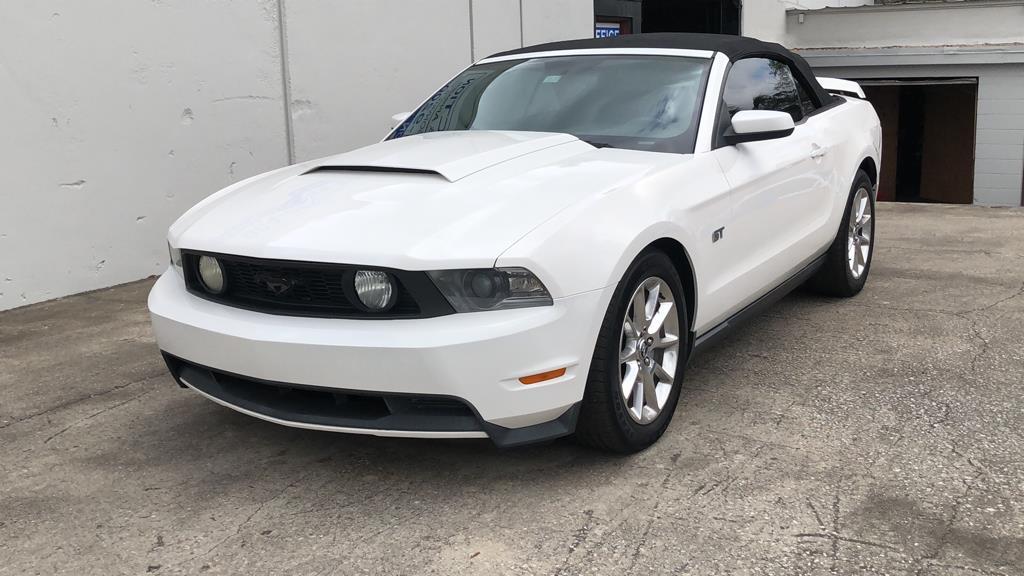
(276, 284)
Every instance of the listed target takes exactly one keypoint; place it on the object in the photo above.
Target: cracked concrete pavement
(879, 435)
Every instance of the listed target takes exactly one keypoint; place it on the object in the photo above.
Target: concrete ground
(878, 435)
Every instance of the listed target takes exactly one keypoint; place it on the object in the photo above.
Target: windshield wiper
(597, 144)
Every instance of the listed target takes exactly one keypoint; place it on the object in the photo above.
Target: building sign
(607, 29)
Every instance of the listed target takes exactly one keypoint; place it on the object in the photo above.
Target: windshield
(639, 102)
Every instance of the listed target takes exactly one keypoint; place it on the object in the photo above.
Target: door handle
(818, 152)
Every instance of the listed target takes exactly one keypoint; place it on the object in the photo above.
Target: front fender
(590, 245)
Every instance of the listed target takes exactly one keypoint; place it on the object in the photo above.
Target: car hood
(439, 200)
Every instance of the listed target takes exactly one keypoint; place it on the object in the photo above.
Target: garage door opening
(928, 130)
(616, 17)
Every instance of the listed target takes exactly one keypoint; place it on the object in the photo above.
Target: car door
(780, 191)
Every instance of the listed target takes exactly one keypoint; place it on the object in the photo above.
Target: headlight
(491, 289)
(375, 289)
(175, 255)
(211, 274)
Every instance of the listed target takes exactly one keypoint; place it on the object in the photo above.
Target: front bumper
(476, 359)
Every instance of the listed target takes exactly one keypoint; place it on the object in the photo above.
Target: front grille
(310, 289)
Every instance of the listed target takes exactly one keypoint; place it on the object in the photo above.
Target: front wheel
(636, 373)
(848, 260)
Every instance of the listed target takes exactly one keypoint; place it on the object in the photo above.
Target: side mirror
(759, 125)
(401, 117)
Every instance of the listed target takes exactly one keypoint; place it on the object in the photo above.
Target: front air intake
(327, 407)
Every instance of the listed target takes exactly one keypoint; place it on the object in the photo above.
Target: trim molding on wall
(286, 81)
(975, 4)
(914, 56)
(472, 37)
(522, 42)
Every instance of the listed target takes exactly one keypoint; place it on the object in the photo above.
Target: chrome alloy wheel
(649, 350)
(861, 233)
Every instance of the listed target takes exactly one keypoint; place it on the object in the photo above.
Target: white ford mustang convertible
(536, 251)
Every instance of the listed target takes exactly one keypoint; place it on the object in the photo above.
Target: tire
(606, 421)
(837, 276)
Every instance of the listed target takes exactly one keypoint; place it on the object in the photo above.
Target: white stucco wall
(856, 23)
(354, 64)
(118, 116)
(497, 26)
(766, 19)
(943, 24)
(551, 20)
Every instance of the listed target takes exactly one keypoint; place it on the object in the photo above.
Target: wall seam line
(522, 41)
(472, 39)
(286, 82)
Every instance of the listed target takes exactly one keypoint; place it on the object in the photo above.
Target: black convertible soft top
(735, 47)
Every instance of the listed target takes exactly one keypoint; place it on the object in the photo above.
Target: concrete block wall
(118, 116)
(999, 152)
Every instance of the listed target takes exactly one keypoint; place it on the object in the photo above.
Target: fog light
(211, 274)
(375, 289)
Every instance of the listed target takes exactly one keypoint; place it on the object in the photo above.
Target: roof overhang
(914, 55)
(906, 6)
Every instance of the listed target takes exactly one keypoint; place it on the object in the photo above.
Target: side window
(763, 84)
(805, 99)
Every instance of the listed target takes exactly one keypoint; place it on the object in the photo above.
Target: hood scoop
(454, 155)
(377, 169)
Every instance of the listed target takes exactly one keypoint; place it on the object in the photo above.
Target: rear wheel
(636, 373)
(848, 260)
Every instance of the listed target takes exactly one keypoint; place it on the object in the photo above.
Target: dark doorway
(616, 17)
(708, 16)
(928, 134)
